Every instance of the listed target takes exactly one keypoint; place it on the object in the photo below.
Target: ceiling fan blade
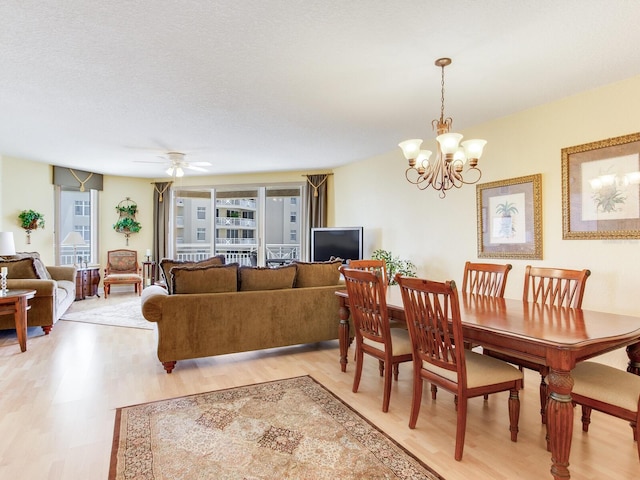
(192, 167)
(155, 162)
(200, 164)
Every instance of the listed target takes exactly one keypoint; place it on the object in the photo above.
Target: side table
(87, 280)
(16, 303)
(148, 273)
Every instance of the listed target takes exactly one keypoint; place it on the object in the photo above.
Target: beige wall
(439, 235)
(27, 185)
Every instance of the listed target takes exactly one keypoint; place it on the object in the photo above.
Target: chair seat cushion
(607, 384)
(400, 342)
(122, 278)
(481, 370)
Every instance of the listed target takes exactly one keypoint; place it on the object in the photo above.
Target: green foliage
(127, 224)
(394, 265)
(128, 209)
(31, 220)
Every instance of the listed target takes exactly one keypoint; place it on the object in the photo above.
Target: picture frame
(510, 218)
(601, 189)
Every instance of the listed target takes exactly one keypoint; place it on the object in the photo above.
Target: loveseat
(219, 309)
(55, 289)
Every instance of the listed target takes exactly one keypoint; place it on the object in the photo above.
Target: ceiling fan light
(179, 172)
(170, 171)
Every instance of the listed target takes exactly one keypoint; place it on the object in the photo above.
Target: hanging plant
(31, 220)
(395, 265)
(127, 225)
(128, 209)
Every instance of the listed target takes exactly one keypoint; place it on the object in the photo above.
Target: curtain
(317, 199)
(161, 212)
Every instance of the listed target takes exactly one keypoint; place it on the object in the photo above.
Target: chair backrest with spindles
(555, 286)
(488, 279)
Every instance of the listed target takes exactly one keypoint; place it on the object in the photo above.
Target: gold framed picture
(601, 189)
(510, 218)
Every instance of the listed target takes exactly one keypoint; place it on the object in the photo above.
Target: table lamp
(74, 239)
(7, 247)
(7, 244)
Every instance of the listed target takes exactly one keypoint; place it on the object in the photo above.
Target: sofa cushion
(23, 268)
(317, 274)
(204, 279)
(264, 278)
(166, 264)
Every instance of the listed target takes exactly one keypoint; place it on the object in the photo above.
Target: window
(293, 217)
(76, 211)
(293, 201)
(293, 235)
(201, 234)
(201, 213)
(82, 208)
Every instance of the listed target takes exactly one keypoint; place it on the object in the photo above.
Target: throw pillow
(317, 274)
(166, 264)
(204, 279)
(21, 268)
(263, 278)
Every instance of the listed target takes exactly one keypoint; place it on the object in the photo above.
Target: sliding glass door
(256, 225)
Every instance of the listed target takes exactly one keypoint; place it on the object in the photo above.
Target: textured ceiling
(269, 85)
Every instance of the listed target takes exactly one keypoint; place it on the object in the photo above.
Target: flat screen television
(345, 243)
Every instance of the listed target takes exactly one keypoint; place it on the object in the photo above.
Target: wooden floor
(58, 401)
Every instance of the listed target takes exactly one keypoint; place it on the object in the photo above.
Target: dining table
(558, 337)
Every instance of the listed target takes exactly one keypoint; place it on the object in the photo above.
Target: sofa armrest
(152, 299)
(44, 288)
(65, 272)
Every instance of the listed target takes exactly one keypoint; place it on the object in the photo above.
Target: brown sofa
(55, 289)
(248, 308)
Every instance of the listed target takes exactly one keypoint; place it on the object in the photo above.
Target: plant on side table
(394, 265)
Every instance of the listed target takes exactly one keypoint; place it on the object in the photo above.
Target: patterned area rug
(293, 428)
(120, 313)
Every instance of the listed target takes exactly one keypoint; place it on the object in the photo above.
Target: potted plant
(394, 265)
(127, 225)
(31, 220)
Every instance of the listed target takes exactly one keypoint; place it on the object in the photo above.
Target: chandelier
(446, 171)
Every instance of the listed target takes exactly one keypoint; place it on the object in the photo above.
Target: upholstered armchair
(122, 269)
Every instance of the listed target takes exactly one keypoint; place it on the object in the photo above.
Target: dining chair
(367, 303)
(552, 287)
(485, 278)
(373, 265)
(432, 311)
(608, 390)
(122, 269)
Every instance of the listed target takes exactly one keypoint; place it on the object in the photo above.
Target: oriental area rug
(293, 428)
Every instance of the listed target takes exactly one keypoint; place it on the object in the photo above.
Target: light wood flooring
(58, 401)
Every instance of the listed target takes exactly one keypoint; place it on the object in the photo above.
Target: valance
(74, 178)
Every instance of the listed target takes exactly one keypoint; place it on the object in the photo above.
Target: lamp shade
(7, 244)
(410, 148)
(73, 238)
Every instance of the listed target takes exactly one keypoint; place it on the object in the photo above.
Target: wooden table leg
(21, 322)
(560, 422)
(343, 336)
(633, 352)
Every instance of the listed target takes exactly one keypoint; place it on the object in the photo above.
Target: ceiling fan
(178, 164)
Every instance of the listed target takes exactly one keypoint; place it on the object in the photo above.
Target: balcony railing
(240, 252)
(236, 202)
(235, 222)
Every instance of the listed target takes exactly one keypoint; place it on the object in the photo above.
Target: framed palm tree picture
(510, 218)
(601, 189)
